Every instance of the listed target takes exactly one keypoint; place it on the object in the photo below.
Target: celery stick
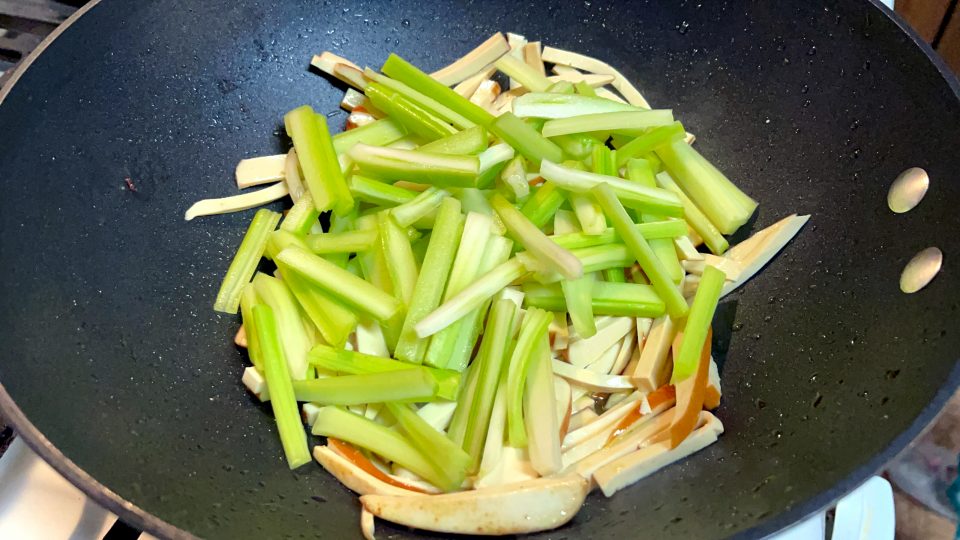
(522, 73)
(423, 101)
(627, 122)
(614, 275)
(643, 198)
(403, 71)
(639, 171)
(411, 116)
(400, 261)
(469, 141)
(340, 284)
(245, 262)
(248, 299)
(523, 231)
(561, 87)
(334, 320)
(533, 332)
(589, 214)
(378, 193)
(608, 298)
(355, 429)
(584, 89)
(340, 242)
(318, 160)
(426, 202)
(576, 146)
(301, 216)
(294, 339)
(458, 422)
(282, 400)
(640, 249)
(604, 160)
(475, 200)
(565, 222)
(435, 270)
(411, 385)
(577, 295)
(648, 141)
(492, 162)
(356, 363)
(448, 459)
(513, 178)
(470, 298)
(427, 168)
(546, 105)
(720, 200)
(525, 139)
(489, 367)
(651, 230)
(543, 204)
(695, 217)
(378, 133)
(280, 240)
(698, 323)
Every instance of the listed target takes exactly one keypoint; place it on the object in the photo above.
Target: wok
(118, 372)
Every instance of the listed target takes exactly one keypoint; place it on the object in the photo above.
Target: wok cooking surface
(111, 348)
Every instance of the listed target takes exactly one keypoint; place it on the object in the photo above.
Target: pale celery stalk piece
(540, 409)
(640, 249)
(294, 339)
(643, 198)
(245, 261)
(565, 223)
(589, 215)
(342, 285)
(577, 296)
(280, 240)
(236, 203)
(378, 193)
(426, 202)
(380, 133)
(696, 329)
(318, 160)
(282, 400)
(434, 272)
(301, 217)
(695, 217)
(555, 106)
(468, 141)
(354, 429)
(474, 61)
(447, 458)
(532, 238)
(393, 164)
(248, 299)
(615, 122)
(400, 260)
(341, 242)
(514, 178)
(471, 297)
(292, 176)
(525, 75)
(533, 335)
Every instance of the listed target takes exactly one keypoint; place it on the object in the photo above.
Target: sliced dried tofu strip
(590, 380)
(755, 252)
(608, 419)
(468, 86)
(730, 267)
(356, 479)
(592, 65)
(225, 205)
(712, 398)
(255, 383)
(584, 351)
(367, 525)
(327, 62)
(516, 42)
(623, 355)
(640, 431)
(531, 56)
(607, 94)
(474, 61)
(260, 170)
(594, 80)
(687, 249)
(653, 367)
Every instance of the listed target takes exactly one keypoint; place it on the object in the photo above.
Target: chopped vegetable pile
(487, 300)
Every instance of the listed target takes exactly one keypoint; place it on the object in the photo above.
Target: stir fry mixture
(488, 296)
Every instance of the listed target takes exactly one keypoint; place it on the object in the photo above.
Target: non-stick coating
(111, 348)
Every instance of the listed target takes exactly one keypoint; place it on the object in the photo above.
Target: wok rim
(147, 522)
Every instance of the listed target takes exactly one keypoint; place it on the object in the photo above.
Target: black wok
(117, 371)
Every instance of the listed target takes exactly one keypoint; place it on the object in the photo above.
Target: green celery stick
(593, 258)
(294, 339)
(720, 200)
(458, 423)
(614, 275)
(301, 216)
(248, 299)
(527, 234)
(492, 162)
(377, 133)
(489, 366)
(576, 146)
(469, 141)
(516, 69)
(608, 298)
(411, 385)
(318, 160)
(589, 214)
(423, 101)
(341, 242)
(381, 440)
(643, 198)
(427, 168)
(475, 200)
(561, 87)
(650, 230)
(628, 122)
(448, 459)
(639, 171)
(543, 204)
(698, 323)
(414, 118)
(640, 249)
(525, 139)
(533, 331)
(604, 161)
(340, 284)
(585, 89)
(334, 320)
(355, 363)
(426, 202)
(245, 262)
(649, 141)
(378, 193)
(470, 298)
(577, 295)
(546, 105)
(435, 271)
(695, 217)
(374, 266)
(282, 400)
(279, 240)
(403, 71)
(400, 261)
